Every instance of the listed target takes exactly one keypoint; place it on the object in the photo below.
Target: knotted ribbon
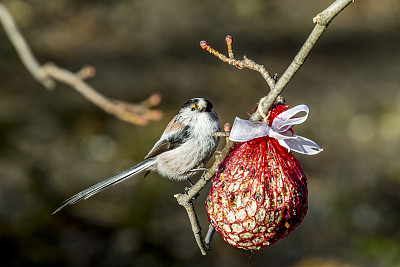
(245, 130)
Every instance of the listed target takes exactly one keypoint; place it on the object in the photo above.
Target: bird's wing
(176, 136)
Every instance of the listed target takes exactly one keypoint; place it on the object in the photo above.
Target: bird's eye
(193, 108)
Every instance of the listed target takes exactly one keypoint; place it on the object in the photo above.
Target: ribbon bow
(245, 130)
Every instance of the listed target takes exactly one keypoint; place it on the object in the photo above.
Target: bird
(185, 146)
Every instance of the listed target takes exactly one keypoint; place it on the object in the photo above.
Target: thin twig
(225, 134)
(240, 64)
(23, 50)
(209, 236)
(196, 227)
(48, 74)
(322, 19)
(136, 114)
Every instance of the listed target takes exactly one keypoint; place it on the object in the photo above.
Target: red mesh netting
(259, 194)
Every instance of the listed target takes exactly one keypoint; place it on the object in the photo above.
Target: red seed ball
(259, 194)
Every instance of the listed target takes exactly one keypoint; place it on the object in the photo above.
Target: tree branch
(49, 73)
(23, 49)
(322, 20)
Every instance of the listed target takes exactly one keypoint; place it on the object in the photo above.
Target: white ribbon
(245, 130)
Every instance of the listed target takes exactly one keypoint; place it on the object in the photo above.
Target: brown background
(54, 144)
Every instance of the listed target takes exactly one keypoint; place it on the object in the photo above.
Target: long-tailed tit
(185, 146)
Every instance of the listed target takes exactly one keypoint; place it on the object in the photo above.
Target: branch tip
(155, 114)
(86, 72)
(227, 127)
(229, 39)
(153, 100)
(317, 18)
(204, 45)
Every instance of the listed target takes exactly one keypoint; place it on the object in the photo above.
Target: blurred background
(53, 144)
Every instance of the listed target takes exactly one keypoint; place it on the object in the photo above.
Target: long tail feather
(142, 166)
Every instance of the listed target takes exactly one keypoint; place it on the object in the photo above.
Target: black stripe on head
(209, 105)
(199, 104)
(191, 102)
